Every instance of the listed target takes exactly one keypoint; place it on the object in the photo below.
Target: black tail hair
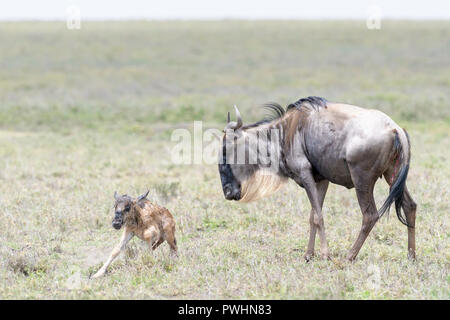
(398, 187)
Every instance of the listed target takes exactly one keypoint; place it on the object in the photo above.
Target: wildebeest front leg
(322, 188)
(126, 236)
(316, 194)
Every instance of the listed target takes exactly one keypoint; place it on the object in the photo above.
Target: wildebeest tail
(398, 186)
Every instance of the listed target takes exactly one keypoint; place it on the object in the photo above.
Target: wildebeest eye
(127, 208)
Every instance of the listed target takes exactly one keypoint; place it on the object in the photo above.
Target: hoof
(325, 255)
(351, 256)
(412, 256)
(308, 257)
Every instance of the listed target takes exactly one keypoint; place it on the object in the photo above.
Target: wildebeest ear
(116, 196)
(143, 196)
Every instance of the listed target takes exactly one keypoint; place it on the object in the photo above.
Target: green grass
(84, 113)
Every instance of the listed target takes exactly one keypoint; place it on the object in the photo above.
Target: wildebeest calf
(147, 221)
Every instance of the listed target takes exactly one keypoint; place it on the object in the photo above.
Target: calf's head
(123, 207)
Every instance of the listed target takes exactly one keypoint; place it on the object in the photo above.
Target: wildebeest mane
(276, 111)
(310, 102)
(264, 182)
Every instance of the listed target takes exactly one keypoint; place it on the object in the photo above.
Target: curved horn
(141, 197)
(239, 118)
(116, 196)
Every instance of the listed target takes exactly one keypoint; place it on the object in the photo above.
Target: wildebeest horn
(228, 118)
(116, 196)
(238, 117)
(234, 125)
(141, 197)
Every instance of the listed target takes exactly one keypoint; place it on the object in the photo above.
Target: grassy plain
(86, 112)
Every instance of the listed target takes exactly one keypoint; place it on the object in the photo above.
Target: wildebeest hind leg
(152, 237)
(364, 191)
(409, 208)
(173, 244)
(169, 235)
(157, 244)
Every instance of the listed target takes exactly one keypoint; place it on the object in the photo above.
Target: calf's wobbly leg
(171, 240)
(126, 236)
(157, 244)
(152, 237)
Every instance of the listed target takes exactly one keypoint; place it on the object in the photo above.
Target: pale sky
(225, 9)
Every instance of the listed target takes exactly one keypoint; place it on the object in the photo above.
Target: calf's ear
(116, 196)
(143, 196)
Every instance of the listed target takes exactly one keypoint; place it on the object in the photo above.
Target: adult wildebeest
(315, 142)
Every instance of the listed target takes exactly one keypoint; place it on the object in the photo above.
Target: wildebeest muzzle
(231, 192)
(117, 221)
